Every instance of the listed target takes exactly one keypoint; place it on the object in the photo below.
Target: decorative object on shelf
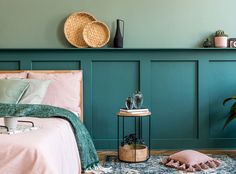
(129, 103)
(96, 34)
(118, 40)
(221, 39)
(73, 28)
(207, 43)
(232, 42)
(82, 30)
(138, 99)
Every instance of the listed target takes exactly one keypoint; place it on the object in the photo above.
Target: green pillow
(11, 91)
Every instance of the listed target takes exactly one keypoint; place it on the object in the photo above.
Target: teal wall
(183, 88)
(148, 23)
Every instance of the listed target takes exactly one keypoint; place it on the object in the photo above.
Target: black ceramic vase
(118, 40)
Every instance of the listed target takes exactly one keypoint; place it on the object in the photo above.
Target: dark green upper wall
(148, 23)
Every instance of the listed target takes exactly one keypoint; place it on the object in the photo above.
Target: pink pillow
(190, 161)
(21, 75)
(63, 91)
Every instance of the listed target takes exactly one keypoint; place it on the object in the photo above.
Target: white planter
(221, 42)
(11, 122)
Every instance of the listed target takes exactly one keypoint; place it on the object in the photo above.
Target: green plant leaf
(228, 99)
(233, 109)
(232, 115)
(229, 119)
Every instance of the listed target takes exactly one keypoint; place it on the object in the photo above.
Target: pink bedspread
(50, 150)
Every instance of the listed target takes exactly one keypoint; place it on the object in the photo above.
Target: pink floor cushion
(190, 161)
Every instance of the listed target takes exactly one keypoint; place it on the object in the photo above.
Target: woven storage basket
(127, 153)
(96, 34)
(73, 28)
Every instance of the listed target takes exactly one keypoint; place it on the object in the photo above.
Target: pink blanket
(51, 149)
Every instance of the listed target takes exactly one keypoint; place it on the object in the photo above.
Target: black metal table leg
(118, 137)
(123, 129)
(135, 143)
(140, 128)
(149, 135)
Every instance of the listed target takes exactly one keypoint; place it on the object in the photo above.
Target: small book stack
(135, 111)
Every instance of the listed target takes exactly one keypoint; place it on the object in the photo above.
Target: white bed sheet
(52, 149)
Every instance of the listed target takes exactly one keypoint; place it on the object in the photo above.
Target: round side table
(136, 152)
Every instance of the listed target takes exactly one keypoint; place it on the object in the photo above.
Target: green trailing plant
(232, 113)
(220, 33)
(132, 139)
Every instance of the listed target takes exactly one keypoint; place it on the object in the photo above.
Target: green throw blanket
(88, 154)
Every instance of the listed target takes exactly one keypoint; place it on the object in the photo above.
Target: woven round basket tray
(73, 28)
(96, 34)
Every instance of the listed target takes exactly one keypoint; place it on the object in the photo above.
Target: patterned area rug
(153, 166)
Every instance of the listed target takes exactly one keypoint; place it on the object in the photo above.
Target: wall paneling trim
(184, 89)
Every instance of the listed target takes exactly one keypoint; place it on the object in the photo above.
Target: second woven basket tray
(96, 34)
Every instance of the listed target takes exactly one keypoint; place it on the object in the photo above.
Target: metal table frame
(138, 124)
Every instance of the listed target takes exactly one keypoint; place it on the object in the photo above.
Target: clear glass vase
(138, 99)
(129, 103)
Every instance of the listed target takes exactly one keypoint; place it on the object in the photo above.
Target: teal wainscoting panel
(222, 85)
(112, 83)
(55, 65)
(174, 101)
(184, 88)
(9, 65)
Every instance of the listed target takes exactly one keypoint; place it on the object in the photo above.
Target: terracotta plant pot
(127, 153)
(221, 42)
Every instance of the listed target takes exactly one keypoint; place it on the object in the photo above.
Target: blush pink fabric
(21, 75)
(63, 91)
(52, 149)
(191, 161)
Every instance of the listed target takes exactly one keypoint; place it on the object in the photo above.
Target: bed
(51, 149)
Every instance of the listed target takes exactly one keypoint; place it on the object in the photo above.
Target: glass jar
(129, 103)
(138, 99)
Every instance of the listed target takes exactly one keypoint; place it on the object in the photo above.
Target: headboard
(51, 72)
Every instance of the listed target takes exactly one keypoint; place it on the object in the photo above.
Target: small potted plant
(133, 149)
(221, 39)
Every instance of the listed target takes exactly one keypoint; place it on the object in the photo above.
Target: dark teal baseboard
(184, 89)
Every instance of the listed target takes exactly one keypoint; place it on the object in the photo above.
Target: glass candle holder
(137, 99)
(129, 103)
